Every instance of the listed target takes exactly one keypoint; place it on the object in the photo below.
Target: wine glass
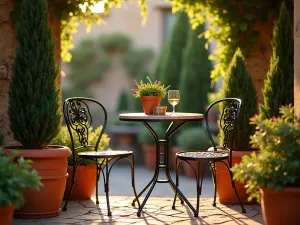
(173, 98)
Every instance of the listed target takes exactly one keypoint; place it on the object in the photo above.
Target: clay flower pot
(148, 102)
(51, 165)
(85, 182)
(6, 215)
(280, 207)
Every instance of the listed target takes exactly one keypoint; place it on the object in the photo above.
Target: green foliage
(115, 42)
(150, 88)
(63, 138)
(88, 65)
(231, 24)
(238, 84)
(15, 176)
(1, 139)
(160, 60)
(145, 136)
(135, 60)
(172, 63)
(194, 139)
(195, 74)
(34, 110)
(277, 164)
(124, 103)
(279, 85)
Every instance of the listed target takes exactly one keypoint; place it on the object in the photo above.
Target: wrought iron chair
(78, 118)
(230, 113)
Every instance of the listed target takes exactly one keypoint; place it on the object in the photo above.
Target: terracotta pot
(6, 215)
(148, 102)
(280, 207)
(188, 171)
(224, 186)
(149, 155)
(51, 165)
(85, 182)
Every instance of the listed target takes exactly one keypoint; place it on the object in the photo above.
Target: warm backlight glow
(97, 8)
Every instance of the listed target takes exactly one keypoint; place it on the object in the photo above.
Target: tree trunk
(8, 46)
(297, 57)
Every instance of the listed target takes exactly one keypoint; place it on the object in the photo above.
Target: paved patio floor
(156, 211)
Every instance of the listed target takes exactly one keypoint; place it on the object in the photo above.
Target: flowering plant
(150, 88)
(277, 164)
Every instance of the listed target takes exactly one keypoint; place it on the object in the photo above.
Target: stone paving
(156, 211)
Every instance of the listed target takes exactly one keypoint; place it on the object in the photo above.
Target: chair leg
(97, 181)
(106, 187)
(72, 184)
(199, 179)
(177, 183)
(213, 173)
(132, 180)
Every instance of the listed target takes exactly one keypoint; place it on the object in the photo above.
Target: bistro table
(176, 121)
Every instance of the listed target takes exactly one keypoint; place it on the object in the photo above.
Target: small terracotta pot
(51, 165)
(188, 171)
(148, 102)
(6, 215)
(224, 187)
(85, 182)
(280, 207)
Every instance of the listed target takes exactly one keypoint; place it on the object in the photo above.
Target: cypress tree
(172, 62)
(123, 104)
(279, 84)
(238, 84)
(33, 94)
(195, 73)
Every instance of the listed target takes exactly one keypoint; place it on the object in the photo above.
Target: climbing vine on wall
(71, 15)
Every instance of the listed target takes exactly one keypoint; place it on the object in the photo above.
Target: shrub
(115, 42)
(194, 139)
(63, 138)
(238, 84)
(34, 109)
(279, 84)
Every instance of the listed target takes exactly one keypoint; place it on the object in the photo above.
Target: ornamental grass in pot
(237, 84)
(193, 139)
(15, 176)
(272, 174)
(85, 180)
(34, 110)
(150, 93)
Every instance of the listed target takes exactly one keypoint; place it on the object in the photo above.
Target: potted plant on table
(272, 174)
(15, 177)
(193, 139)
(85, 181)
(150, 93)
(237, 84)
(34, 110)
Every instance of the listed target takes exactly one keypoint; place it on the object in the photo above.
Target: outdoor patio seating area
(156, 211)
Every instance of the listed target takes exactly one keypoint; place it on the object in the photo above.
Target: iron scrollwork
(80, 119)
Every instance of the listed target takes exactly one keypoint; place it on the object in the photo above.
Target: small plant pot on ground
(174, 150)
(51, 166)
(225, 190)
(6, 215)
(280, 207)
(149, 155)
(85, 182)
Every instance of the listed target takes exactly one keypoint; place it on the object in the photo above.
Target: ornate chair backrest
(230, 111)
(78, 118)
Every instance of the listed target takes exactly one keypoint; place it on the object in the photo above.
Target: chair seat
(202, 155)
(105, 154)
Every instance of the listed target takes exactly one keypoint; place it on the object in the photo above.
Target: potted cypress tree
(237, 84)
(34, 110)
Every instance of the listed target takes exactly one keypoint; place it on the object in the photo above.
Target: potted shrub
(148, 146)
(237, 84)
(150, 93)
(193, 139)
(85, 181)
(34, 110)
(16, 175)
(272, 174)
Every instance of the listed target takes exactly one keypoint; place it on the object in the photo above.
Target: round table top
(180, 116)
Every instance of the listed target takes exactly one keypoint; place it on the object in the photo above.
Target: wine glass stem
(173, 109)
